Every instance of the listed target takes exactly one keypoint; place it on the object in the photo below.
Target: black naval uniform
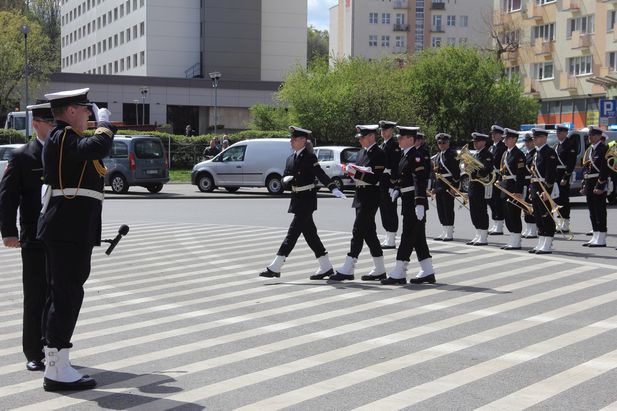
(513, 179)
(21, 189)
(71, 225)
(366, 201)
(412, 178)
(304, 168)
(529, 218)
(496, 202)
(448, 166)
(595, 176)
(566, 161)
(545, 166)
(477, 200)
(387, 207)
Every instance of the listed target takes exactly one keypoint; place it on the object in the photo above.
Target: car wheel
(232, 189)
(205, 183)
(118, 184)
(338, 183)
(465, 184)
(155, 188)
(274, 184)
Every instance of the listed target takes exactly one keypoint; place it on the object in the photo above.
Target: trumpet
(552, 207)
(454, 192)
(611, 158)
(514, 200)
(472, 164)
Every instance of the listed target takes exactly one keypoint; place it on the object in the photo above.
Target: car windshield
(148, 149)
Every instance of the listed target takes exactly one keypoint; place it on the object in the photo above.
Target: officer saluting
(301, 169)
(512, 171)
(566, 161)
(70, 224)
(447, 166)
(367, 171)
(595, 186)
(21, 189)
(387, 207)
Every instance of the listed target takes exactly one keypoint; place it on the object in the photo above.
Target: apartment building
(376, 28)
(252, 43)
(565, 52)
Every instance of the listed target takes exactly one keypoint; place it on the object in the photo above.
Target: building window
(142, 28)
(385, 41)
(511, 5)
(451, 41)
(584, 25)
(578, 66)
(115, 14)
(610, 20)
(122, 10)
(462, 41)
(128, 63)
(436, 42)
(437, 23)
(545, 32)
(135, 60)
(400, 41)
(451, 21)
(385, 18)
(511, 72)
(464, 21)
(141, 3)
(543, 71)
(135, 31)
(128, 35)
(115, 40)
(543, 2)
(400, 19)
(611, 59)
(372, 40)
(116, 66)
(128, 6)
(104, 20)
(134, 4)
(373, 18)
(142, 58)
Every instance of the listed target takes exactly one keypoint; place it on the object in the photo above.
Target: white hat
(66, 98)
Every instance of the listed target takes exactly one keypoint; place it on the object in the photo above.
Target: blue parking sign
(608, 108)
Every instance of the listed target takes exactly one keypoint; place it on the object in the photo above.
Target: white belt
(538, 180)
(407, 189)
(80, 192)
(296, 189)
(594, 175)
(561, 167)
(388, 171)
(360, 183)
(527, 177)
(510, 177)
(447, 175)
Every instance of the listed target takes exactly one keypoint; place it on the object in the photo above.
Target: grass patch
(180, 176)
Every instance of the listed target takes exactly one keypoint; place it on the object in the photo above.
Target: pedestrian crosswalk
(177, 317)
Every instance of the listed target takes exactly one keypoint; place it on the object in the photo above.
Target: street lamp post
(144, 93)
(215, 76)
(136, 111)
(25, 29)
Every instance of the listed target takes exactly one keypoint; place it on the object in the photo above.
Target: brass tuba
(611, 158)
(471, 164)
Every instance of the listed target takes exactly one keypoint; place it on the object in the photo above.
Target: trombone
(454, 192)
(552, 207)
(514, 200)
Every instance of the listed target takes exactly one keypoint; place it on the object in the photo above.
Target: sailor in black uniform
(448, 168)
(20, 189)
(567, 151)
(301, 170)
(595, 184)
(387, 207)
(479, 193)
(512, 170)
(530, 229)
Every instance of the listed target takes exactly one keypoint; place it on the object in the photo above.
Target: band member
(411, 187)
(388, 207)
(447, 166)
(512, 170)
(595, 186)
(480, 189)
(496, 202)
(566, 161)
(544, 171)
(70, 224)
(301, 170)
(530, 230)
(370, 164)
(20, 189)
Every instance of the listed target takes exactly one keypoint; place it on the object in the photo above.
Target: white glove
(419, 212)
(95, 111)
(338, 193)
(287, 179)
(350, 170)
(394, 194)
(103, 114)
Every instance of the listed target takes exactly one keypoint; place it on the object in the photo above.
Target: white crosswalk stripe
(177, 317)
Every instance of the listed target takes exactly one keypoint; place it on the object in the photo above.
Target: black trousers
(564, 196)
(35, 295)
(544, 221)
(445, 207)
(68, 268)
(597, 209)
(388, 212)
(477, 206)
(513, 218)
(497, 205)
(413, 238)
(302, 223)
(365, 230)
(529, 218)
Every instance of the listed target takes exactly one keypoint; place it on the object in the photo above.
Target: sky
(318, 13)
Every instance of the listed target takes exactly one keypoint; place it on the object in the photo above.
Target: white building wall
(477, 14)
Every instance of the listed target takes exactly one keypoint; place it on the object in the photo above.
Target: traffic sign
(608, 108)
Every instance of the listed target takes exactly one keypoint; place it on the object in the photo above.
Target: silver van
(137, 160)
(248, 163)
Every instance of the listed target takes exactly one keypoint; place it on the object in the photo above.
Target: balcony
(532, 12)
(580, 40)
(437, 29)
(573, 6)
(400, 27)
(531, 87)
(436, 5)
(400, 4)
(541, 47)
(567, 82)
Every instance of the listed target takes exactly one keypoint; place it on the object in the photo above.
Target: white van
(248, 163)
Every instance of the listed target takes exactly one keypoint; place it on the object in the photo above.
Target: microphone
(122, 231)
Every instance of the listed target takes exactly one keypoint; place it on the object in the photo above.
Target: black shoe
(341, 277)
(543, 252)
(585, 244)
(496, 233)
(388, 247)
(448, 239)
(84, 383)
(438, 239)
(322, 276)
(532, 251)
(596, 245)
(35, 365)
(374, 277)
(470, 242)
(428, 279)
(269, 273)
(394, 281)
(530, 236)
(479, 243)
(589, 234)
(507, 247)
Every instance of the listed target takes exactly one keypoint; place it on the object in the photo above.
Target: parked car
(248, 163)
(138, 160)
(6, 151)
(332, 158)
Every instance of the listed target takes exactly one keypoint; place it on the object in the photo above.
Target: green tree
(267, 118)
(12, 59)
(317, 47)
(47, 14)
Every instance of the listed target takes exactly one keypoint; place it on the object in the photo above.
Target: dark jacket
(66, 156)
(368, 195)
(305, 169)
(393, 156)
(545, 164)
(477, 189)
(513, 171)
(596, 166)
(21, 189)
(413, 172)
(497, 151)
(566, 158)
(446, 163)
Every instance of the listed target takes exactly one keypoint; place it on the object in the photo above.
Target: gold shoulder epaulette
(104, 130)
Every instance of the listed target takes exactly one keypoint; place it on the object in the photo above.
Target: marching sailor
(530, 230)
(388, 207)
(566, 161)
(595, 186)
(447, 166)
(496, 202)
(479, 193)
(512, 171)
